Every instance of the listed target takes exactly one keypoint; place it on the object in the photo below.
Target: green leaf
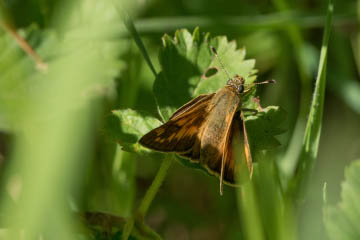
(128, 126)
(21, 80)
(57, 111)
(185, 61)
(342, 220)
(263, 128)
(189, 68)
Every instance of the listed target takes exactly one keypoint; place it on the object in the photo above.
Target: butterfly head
(237, 83)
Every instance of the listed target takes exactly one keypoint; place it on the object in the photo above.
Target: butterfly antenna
(263, 82)
(219, 60)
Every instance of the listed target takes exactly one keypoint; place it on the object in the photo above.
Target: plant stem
(155, 185)
(149, 197)
(128, 228)
(141, 226)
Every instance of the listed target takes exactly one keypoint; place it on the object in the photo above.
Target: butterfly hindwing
(246, 145)
(229, 166)
(181, 132)
(238, 132)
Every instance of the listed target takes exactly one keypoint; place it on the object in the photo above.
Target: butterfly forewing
(191, 104)
(181, 132)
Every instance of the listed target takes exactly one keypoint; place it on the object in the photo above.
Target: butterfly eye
(241, 88)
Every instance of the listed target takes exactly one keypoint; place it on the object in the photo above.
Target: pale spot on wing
(193, 130)
(172, 136)
(160, 131)
(180, 134)
(181, 122)
(160, 139)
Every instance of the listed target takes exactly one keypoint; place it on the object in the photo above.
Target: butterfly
(203, 129)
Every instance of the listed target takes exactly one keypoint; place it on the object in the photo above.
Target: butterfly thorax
(237, 83)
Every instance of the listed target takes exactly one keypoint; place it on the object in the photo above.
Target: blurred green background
(57, 162)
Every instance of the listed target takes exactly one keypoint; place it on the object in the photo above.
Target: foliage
(81, 82)
(341, 220)
(185, 61)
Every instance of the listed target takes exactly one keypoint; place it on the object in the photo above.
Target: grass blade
(132, 30)
(314, 123)
(292, 154)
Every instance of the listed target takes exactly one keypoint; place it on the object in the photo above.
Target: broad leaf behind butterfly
(185, 61)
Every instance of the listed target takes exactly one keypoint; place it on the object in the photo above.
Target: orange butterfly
(202, 130)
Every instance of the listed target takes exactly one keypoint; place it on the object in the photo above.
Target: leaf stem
(148, 198)
(155, 185)
(147, 231)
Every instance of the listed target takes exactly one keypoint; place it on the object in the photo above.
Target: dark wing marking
(180, 133)
(194, 153)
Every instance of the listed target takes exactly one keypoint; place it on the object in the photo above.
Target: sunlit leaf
(342, 220)
(128, 126)
(185, 60)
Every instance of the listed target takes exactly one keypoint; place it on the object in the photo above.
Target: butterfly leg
(257, 101)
